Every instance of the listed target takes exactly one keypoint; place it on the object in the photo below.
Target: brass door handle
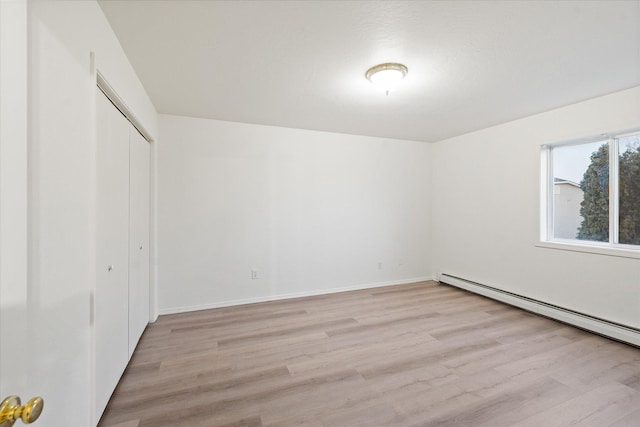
(11, 410)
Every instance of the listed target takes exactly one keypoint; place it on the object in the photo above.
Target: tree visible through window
(629, 167)
(594, 208)
(596, 197)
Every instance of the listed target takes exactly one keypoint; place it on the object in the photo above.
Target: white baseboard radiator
(613, 330)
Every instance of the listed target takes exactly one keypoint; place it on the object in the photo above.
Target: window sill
(592, 249)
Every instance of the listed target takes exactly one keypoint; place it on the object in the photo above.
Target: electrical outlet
(254, 275)
(379, 265)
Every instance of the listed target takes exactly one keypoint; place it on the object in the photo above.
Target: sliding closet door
(138, 237)
(112, 249)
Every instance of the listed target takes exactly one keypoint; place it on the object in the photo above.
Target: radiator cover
(609, 329)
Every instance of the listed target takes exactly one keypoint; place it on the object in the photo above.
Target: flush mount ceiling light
(386, 76)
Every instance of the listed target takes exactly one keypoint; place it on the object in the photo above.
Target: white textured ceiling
(301, 64)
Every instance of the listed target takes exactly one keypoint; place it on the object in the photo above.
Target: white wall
(486, 212)
(311, 211)
(62, 194)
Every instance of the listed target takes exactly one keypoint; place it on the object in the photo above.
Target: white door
(13, 200)
(139, 151)
(112, 249)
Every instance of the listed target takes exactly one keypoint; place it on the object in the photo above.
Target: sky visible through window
(585, 213)
(572, 161)
(629, 143)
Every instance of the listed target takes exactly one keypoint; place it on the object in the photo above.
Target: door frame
(14, 291)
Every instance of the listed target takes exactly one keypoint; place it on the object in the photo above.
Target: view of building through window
(570, 166)
(585, 184)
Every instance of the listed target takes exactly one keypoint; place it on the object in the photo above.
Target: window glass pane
(629, 184)
(581, 191)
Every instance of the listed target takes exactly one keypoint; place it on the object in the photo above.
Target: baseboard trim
(609, 329)
(292, 295)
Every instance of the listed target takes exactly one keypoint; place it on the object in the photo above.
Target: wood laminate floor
(420, 354)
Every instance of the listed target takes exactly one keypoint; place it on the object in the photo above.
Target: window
(591, 191)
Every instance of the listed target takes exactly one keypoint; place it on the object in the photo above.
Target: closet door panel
(112, 249)
(139, 237)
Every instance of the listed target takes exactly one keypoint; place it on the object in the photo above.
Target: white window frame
(547, 239)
